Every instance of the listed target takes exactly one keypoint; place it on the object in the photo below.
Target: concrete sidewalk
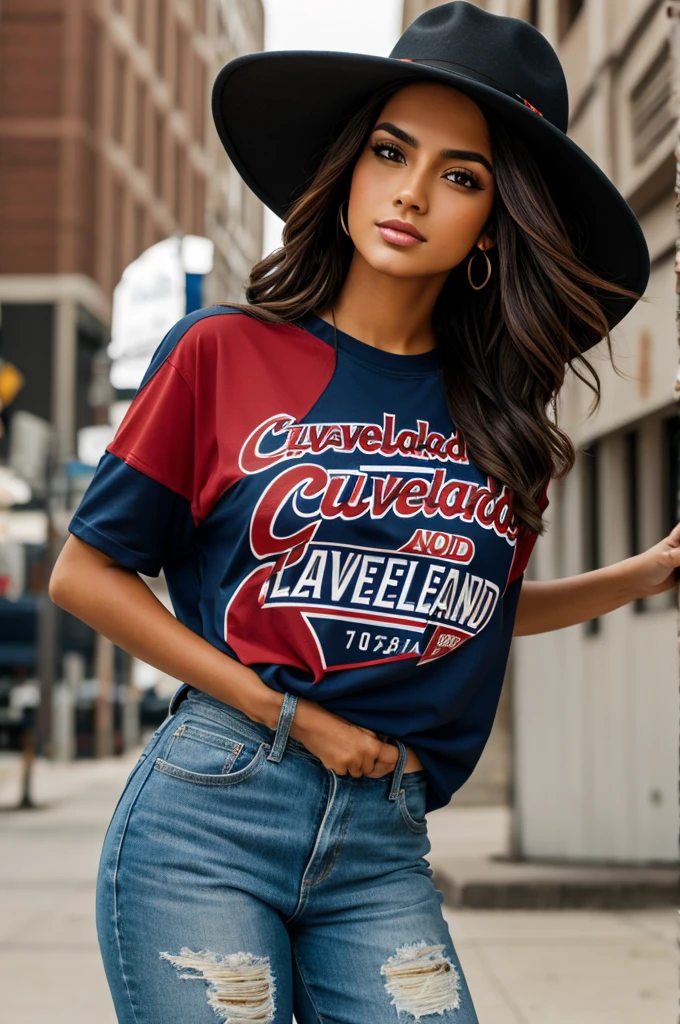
(472, 868)
(523, 967)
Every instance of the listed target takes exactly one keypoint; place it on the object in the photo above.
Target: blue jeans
(243, 881)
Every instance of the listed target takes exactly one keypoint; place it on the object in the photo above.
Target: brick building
(107, 146)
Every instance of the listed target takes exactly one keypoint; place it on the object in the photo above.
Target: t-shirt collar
(423, 362)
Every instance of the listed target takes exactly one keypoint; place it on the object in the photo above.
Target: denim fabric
(242, 881)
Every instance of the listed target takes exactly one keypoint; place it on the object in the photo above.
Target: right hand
(340, 745)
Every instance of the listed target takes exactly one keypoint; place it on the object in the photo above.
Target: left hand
(653, 571)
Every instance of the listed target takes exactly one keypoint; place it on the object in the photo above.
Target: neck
(390, 313)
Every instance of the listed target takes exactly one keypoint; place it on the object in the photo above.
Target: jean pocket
(412, 801)
(148, 749)
(208, 756)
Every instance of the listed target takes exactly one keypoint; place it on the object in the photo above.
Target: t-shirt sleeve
(525, 543)
(138, 506)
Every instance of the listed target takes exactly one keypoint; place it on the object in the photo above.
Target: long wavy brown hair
(505, 349)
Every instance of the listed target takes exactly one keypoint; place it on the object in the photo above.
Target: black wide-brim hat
(277, 112)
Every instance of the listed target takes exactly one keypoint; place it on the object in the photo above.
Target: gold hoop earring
(478, 287)
(342, 220)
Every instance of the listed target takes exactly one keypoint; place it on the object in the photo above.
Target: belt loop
(398, 773)
(283, 726)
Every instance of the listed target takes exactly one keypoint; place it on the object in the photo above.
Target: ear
(487, 239)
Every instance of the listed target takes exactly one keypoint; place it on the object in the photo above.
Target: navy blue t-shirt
(317, 517)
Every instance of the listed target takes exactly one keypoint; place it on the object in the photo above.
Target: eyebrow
(448, 154)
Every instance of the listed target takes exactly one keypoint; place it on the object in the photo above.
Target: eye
(386, 147)
(388, 151)
(470, 179)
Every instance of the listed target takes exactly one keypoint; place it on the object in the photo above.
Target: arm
(555, 604)
(117, 603)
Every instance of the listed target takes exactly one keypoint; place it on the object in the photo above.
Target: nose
(412, 194)
(409, 206)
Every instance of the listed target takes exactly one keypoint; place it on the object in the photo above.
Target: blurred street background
(119, 212)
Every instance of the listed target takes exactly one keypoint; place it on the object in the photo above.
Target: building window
(670, 515)
(651, 113)
(117, 230)
(159, 155)
(201, 106)
(672, 481)
(568, 12)
(591, 518)
(138, 230)
(119, 69)
(180, 68)
(92, 73)
(199, 15)
(199, 204)
(179, 181)
(247, 208)
(632, 463)
(140, 21)
(140, 123)
(161, 19)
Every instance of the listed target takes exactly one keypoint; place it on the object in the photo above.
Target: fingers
(385, 762)
(375, 764)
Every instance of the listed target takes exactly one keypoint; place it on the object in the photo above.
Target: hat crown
(505, 52)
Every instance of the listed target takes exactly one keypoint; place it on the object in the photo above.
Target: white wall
(596, 716)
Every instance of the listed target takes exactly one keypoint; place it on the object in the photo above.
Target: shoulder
(185, 336)
(230, 337)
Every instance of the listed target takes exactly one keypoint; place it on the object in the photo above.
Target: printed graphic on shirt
(298, 439)
(311, 528)
(301, 528)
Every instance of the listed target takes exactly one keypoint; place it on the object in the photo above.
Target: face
(427, 162)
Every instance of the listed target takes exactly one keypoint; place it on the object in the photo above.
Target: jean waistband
(279, 739)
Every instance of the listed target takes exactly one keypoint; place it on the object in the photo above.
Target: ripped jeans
(242, 881)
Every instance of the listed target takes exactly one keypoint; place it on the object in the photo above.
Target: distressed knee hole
(240, 986)
(421, 980)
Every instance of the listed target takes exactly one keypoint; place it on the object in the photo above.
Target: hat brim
(276, 113)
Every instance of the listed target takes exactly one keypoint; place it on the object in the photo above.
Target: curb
(556, 895)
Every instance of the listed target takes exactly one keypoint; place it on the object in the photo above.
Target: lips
(403, 227)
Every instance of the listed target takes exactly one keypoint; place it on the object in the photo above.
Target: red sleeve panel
(225, 373)
(525, 543)
(157, 434)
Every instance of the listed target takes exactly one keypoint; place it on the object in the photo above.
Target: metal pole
(48, 613)
(103, 718)
(46, 648)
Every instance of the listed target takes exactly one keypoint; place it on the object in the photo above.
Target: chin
(395, 263)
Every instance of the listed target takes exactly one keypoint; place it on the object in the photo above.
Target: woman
(342, 480)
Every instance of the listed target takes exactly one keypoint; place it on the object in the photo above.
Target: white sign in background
(148, 300)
